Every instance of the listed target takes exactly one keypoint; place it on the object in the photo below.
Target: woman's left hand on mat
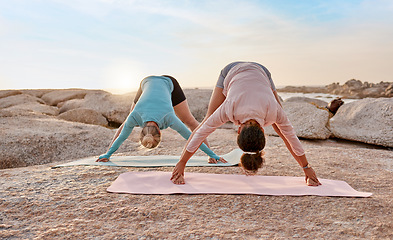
(178, 173)
(311, 177)
(213, 160)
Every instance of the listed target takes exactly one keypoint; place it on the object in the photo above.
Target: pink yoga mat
(155, 182)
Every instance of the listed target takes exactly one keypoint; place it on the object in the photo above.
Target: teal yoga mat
(232, 157)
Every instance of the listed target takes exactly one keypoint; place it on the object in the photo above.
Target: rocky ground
(38, 202)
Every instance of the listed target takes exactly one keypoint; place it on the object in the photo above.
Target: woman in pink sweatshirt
(246, 96)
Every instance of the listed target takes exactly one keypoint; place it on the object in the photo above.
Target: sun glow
(123, 76)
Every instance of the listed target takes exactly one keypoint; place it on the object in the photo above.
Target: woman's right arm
(118, 131)
(178, 171)
(121, 135)
(207, 126)
(216, 100)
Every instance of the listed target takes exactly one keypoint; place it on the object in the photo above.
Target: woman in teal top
(159, 104)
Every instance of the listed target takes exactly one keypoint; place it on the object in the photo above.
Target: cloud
(302, 42)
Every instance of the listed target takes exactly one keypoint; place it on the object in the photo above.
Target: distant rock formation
(353, 88)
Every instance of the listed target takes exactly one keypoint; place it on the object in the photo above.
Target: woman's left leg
(184, 114)
(180, 105)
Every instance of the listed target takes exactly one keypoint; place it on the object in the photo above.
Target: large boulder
(70, 105)
(37, 92)
(40, 139)
(18, 100)
(115, 108)
(368, 120)
(56, 96)
(308, 121)
(32, 108)
(84, 115)
(7, 93)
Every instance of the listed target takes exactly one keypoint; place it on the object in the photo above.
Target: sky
(114, 44)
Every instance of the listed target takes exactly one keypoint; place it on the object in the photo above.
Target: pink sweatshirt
(248, 96)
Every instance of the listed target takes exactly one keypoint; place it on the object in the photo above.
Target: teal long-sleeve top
(154, 105)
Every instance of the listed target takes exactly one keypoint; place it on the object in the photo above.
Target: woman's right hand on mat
(311, 177)
(102, 160)
(179, 180)
(178, 173)
(213, 160)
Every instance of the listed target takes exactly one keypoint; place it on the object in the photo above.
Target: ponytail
(252, 161)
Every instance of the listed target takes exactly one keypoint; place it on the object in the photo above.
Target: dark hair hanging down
(252, 162)
(251, 139)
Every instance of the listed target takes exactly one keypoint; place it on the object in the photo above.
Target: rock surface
(367, 120)
(7, 93)
(19, 99)
(54, 97)
(40, 139)
(115, 108)
(84, 115)
(32, 108)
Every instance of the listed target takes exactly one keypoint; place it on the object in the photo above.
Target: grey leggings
(227, 68)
